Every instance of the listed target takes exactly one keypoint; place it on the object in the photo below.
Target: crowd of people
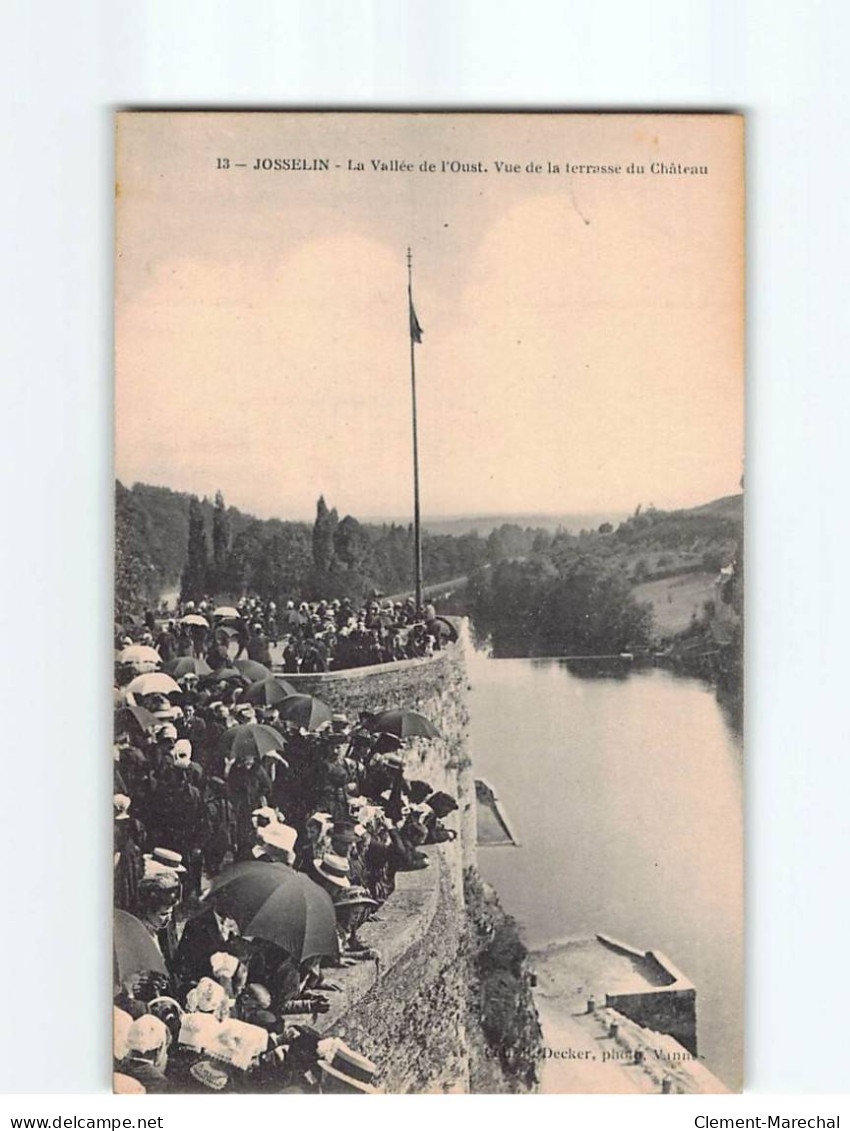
(252, 842)
(318, 636)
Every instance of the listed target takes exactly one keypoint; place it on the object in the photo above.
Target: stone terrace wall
(414, 1010)
(437, 687)
(409, 1010)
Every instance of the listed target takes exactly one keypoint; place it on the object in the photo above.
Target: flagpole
(417, 532)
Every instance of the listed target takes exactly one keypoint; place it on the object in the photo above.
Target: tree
(135, 573)
(193, 580)
(350, 542)
(220, 542)
(323, 536)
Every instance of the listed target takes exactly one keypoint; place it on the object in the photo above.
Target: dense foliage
(572, 594)
(570, 604)
(165, 539)
(500, 987)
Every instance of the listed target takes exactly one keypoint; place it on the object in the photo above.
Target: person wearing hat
(245, 715)
(182, 753)
(192, 725)
(276, 843)
(316, 841)
(147, 1053)
(220, 824)
(128, 864)
(291, 655)
(250, 788)
(166, 643)
(350, 841)
(177, 817)
(121, 1025)
(336, 771)
(439, 805)
(165, 735)
(352, 908)
(344, 1071)
(258, 646)
(158, 895)
(331, 872)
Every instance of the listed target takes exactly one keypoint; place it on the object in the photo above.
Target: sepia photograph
(428, 603)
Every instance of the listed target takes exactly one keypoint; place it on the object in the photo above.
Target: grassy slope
(675, 599)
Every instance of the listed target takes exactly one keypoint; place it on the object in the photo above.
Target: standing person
(218, 655)
(250, 788)
(220, 825)
(129, 866)
(184, 641)
(181, 820)
(271, 624)
(199, 640)
(166, 643)
(291, 655)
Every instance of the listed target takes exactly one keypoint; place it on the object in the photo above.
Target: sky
(583, 334)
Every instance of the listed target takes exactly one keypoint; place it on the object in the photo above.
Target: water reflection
(624, 786)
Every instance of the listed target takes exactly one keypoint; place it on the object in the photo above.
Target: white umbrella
(139, 654)
(153, 683)
(226, 611)
(193, 618)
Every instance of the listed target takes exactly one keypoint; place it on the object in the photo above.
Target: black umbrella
(250, 739)
(268, 692)
(253, 670)
(226, 675)
(305, 711)
(404, 723)
(285, 907)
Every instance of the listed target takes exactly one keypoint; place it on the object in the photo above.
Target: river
(625, 793)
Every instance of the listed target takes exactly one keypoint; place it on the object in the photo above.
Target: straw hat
(335, 869)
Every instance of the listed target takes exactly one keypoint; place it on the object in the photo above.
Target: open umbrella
(133, 949)
(139, 654)
(273, 902)
(144, 719)
(252, 669)
(187, 665)
(269, 692)
(196, 619)
(226, 612)
(153, 683)
(305, 711)
(228, 675)
(250, 738)
(404, 724)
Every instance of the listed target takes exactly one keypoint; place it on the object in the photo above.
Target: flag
(415, 328)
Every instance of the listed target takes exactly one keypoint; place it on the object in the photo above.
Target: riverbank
(625, 792)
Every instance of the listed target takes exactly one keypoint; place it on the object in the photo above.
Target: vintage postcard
(428, 602)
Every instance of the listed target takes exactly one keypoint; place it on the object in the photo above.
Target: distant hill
(730, 506)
